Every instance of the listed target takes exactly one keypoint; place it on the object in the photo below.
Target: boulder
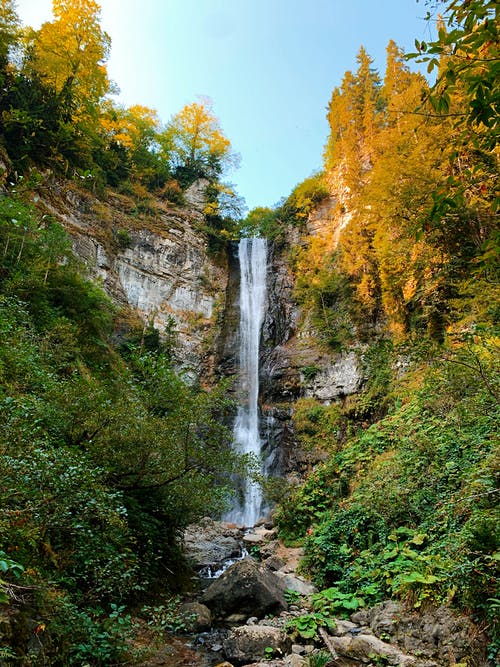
(246, 587)
(436, 633)
(198, 615)
(297, 584)
(249, 642)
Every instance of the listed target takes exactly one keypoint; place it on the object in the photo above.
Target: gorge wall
(154, 261)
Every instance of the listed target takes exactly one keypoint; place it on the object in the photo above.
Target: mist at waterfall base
(252, 254)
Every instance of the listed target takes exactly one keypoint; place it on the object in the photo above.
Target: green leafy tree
(467, 55)
(9, 30)
(131, 145)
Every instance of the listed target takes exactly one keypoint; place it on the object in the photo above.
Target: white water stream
(253, 269)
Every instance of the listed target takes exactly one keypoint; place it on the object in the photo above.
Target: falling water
(253, 268)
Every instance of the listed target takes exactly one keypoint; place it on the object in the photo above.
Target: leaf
(418, 577)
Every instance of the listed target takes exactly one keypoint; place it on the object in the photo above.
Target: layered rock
(156, 262)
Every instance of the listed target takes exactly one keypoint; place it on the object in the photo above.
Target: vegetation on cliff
(406, 503)
(58, 114)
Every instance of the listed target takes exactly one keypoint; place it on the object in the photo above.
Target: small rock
(383, 617)
(274, 563)
(235, 619)
(269, 549)
(253, 539)
(343, 628)
(360, 617)
(298, 649)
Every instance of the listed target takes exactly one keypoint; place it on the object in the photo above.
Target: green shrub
(123, 238)
(332, 602)
(332, 546)
(307, 625)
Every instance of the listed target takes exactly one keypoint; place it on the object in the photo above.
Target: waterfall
(252, 255)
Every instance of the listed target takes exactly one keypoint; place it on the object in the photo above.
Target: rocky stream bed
(240, 614)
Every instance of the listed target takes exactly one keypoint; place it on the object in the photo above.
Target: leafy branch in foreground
(467, 56)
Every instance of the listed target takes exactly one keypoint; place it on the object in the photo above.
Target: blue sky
(269, 67)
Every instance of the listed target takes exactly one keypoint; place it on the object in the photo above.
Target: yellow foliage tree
(69, 54)
(133, 127)
(196, 143)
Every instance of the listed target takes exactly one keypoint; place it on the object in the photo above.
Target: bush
(333, 545)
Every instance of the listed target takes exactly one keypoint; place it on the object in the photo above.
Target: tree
(9, 27)
(132, 136)
(196, 143)
(354, 118)
(468, 58)
(69, 54)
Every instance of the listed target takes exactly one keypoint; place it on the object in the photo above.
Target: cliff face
(294, 365)
(153, 259)
(156, 263)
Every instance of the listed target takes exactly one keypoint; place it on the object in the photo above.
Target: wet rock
(210, 543)
(245, 588)
(248, 643)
